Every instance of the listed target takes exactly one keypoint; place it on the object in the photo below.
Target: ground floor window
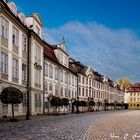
(37, 100)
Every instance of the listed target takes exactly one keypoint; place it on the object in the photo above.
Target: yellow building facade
(134, 96)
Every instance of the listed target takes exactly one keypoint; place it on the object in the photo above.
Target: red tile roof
(48, 52)
(134, 88)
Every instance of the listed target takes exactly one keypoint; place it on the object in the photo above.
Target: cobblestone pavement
(122, 126)
(84, 126)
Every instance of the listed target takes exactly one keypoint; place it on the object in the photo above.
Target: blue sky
(104, 34)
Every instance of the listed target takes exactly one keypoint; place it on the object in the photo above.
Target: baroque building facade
(59, 80)
(41, 70)
(92, 85)
(21, 51)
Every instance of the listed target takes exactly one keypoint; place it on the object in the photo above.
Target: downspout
(28, 75)
(43, 83)
(77, 111)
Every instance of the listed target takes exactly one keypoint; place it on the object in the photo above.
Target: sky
(103, 34)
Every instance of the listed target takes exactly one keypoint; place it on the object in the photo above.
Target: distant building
(133, 96)
(94, 86)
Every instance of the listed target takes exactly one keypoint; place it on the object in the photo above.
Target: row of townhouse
(39, 69)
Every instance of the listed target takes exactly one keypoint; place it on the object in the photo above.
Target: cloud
(113, 52)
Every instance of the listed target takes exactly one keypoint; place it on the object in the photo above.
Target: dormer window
(21, 17)
(61, 58)
(12, 7)
(37, 30)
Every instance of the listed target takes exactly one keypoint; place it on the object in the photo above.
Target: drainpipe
(77, 111)
(43, 84)
(28, 76)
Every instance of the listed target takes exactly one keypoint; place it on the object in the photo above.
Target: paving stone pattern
(124, 126)
(84, 126)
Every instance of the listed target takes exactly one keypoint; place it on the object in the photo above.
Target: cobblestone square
(111, 125)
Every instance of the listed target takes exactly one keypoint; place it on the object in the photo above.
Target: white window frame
(24, 43)
(15, 36)
(4, 27)
(24, 72)
(15, 68)
(4, 63)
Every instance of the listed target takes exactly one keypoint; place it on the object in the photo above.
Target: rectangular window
(4, 27)
(72, 81)
(37, 100)
(87, 92)
(69, 95)
(86, 81)
(46, 87)
(61, 91)
(69, 80)
(24, 72)
(46, 69)
(24, 43)
(56, 90)
(15, 37)
(83, 92)
(61, 76)
(37, 56)
(50, 71)
(4, 63)
(66, 77)
(79, 79)
(37, 76)
(65, 61)
(61, 58)
(15, 68)
(56, 73)
(66, 94)
(83, 80)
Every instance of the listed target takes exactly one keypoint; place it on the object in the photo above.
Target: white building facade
(40, 70)
(59, 80)
(94, 86)
(17, 40)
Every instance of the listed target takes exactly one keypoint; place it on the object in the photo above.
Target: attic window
(21, 17)
(12, 7)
